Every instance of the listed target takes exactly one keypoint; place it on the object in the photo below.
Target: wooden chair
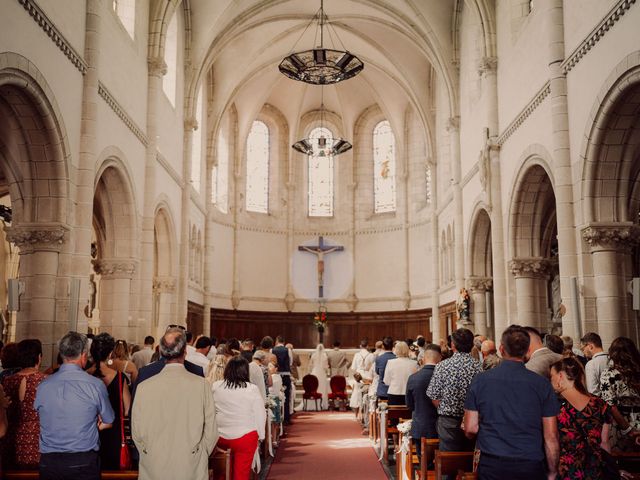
(428, 448)
(452, 463)
(310, 384)
(394, 412)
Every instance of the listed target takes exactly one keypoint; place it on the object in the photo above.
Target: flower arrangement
(320, 318)
(404, 427)
(271, 402)
(382, 407)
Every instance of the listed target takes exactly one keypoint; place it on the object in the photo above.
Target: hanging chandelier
(321, 66)
(323, 144)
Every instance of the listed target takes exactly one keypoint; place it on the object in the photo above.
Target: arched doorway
(534, 263)
(480, 283)
(115, 261)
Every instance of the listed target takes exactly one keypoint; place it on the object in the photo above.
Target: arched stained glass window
(320, 169)
(257, 194)
(126, 11)
(220, 175)
(196, 144)
(384, 168)
(171, 59)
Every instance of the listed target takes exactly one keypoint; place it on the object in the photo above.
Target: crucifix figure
(320, 251)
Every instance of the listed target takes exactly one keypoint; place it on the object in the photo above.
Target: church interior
(325, 170)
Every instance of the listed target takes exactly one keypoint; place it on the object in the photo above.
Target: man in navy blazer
(424, 413)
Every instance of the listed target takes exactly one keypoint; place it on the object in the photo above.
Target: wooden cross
(320, 251)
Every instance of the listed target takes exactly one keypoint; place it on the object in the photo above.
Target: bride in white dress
(319, 365)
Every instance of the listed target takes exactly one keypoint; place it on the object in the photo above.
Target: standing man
(598, 361)
(381, 365)
(448, 391)
(337, 360)
(539, 357)
(173, 418)
(199, 356)
(72, 407)
(142, 358)
(513, 412)
(285, 359)
(424, 414)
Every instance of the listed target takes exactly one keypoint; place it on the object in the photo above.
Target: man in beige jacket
(173, 418)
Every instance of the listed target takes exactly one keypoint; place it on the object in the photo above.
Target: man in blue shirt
(381, 365)
(72, 406)
(513, 411)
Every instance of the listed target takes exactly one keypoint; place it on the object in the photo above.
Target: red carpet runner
(325, 446)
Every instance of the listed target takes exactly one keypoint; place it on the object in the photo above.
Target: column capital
(190, 123)
(452, 124)
(290, 301)
(115, 267)
(487, 65)
(533, 267)
(611, 235)
(157, 66)
(164, 285)
(479, 284)
(30, 237)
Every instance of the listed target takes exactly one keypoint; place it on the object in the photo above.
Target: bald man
(489, 354)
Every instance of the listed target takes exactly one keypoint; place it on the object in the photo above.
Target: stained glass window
(320, 177)
(384, 168)
(126, 11)
(258, 168)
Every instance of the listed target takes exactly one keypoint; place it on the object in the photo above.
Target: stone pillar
(530, 274)
(115, 288)
(435, 260)
(563, 188)
(163, 294)
(156, 70)
(610, 243)
(453, 127)
(478, 287)
(40, 245)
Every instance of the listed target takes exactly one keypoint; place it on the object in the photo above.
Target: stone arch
(116, 258)
(480, 280)
(533, 243)
(164, 268)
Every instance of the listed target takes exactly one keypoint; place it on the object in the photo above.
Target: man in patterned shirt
(448, 391)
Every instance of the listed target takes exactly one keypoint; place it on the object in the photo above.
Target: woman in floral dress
(620, 387)
(584, 423)
(23, 450)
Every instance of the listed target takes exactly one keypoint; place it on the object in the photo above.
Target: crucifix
(320, 251)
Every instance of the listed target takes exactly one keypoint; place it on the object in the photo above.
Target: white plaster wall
(420, 280)
(222, 269)
(580, 18)
(379, 272)
(69, 16)
(263, 264)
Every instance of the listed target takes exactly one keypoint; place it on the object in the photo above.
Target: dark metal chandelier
(321, 66)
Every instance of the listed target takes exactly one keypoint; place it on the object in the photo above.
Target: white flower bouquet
(404, 427)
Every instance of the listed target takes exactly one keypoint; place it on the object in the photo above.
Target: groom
(283, 355)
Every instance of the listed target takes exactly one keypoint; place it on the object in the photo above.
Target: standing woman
(240, 415)
(24, 423)
(397, 372)
(584, 423)
(118, 390)
(121, 361)
(620, 388)
(319, 364)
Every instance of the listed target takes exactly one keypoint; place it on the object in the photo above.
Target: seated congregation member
(381, 365)
(448, 391)
(397, 373)
(199, 355)
(240, 415)
(424, 414)
(22, 448)
(598, 361)
(584, 422)
(620, 388)
(121, 361)
(142, 357)
(513, 412)
(173, 420)
(119, 396)
(73, 406)
(539, 357)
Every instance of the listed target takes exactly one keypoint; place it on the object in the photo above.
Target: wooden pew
(220, 464)
(452, 463)
(34, 475)
(467, 476)
(394, 412)
(428, 447)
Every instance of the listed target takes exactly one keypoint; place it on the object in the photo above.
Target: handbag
(125, 453)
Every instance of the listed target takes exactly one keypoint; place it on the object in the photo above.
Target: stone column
(115, 288)
(563, 188)
(530, 274)
(453, 127)
(478, 287)
(163, 292)
(435, 259)
(610, 243)
(156, 70)
(190, 124)
(40, 245)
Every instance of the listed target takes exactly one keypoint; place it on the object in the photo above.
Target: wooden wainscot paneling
(195, 318)
(447, 317)
(298, 328)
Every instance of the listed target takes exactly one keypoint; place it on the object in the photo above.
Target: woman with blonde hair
(217, 366)
(397, 373)
(120, 361)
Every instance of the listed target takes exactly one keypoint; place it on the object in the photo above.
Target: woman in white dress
(319, 364)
